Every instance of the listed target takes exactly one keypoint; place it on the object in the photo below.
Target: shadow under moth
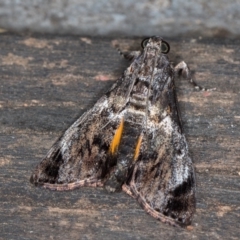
(131, 140)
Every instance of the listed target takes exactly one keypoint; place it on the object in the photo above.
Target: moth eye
(165, 48)
(144, 42)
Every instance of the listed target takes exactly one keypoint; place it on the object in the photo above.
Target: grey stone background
(123, 18)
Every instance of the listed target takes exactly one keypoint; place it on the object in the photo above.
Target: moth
(132, 140)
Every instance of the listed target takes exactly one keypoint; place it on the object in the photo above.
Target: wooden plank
(48, 81)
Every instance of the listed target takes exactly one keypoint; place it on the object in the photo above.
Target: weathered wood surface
(49, 81)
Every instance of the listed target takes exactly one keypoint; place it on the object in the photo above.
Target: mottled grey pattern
(151, 160)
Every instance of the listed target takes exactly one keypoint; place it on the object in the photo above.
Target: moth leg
(74, 185)
(129, 55)
(183, 70)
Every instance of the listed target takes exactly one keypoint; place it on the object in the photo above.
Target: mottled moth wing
(82, 157)
(163, 179)
(131, 139)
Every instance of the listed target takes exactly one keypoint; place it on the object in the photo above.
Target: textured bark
(48, 81)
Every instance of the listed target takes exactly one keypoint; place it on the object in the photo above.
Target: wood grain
(48, 81)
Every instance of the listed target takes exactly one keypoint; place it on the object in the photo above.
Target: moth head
(165, 47)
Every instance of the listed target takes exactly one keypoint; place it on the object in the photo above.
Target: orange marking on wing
(137, 149)
(116, 139)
